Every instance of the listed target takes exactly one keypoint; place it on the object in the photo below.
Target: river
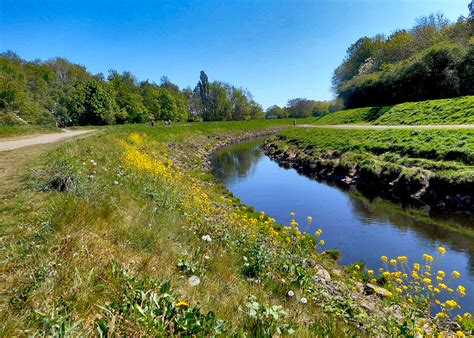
(362, 229)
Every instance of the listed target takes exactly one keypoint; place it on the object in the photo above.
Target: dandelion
(194, 281)
(291, 293)
(181, 303)
(441, 250)
(303, 300)
(206, 238)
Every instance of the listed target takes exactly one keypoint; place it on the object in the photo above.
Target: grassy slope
(130, 218)
(89, 242)
(443, 155)
(444, 111)
(19, 130)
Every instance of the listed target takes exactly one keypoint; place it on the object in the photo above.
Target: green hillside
(443, 111)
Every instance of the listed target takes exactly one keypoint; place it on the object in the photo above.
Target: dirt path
(23, 141)
(359, 126)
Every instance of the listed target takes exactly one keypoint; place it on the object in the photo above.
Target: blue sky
(278, 49)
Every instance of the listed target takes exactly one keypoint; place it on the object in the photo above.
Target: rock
(371, 289)
(337, 272)
(397, 312)
(323, 273)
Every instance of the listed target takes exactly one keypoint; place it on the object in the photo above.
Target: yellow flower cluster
(420, 285)
(148, 157)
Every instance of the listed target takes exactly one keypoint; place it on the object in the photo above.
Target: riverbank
(424, 168)
(131, 234)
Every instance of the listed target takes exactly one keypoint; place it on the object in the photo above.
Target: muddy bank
(422, 189)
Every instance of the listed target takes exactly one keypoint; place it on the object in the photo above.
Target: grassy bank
(125, 232)
(431, 167)
(444, 111)
(7, 131)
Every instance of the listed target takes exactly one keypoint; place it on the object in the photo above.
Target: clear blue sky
(276, 49)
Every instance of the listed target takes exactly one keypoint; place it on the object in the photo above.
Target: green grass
(410, 160)
(455, 145)
(109, 247)
(76, 258)
(443, 111)
(7, 131)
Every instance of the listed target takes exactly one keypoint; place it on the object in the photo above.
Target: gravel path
(360, 126)
(21, 142)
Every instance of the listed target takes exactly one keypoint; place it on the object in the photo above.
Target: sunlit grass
(135, 213)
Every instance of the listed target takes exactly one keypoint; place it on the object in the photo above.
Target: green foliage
(57, 92)
(265, 321)
(276, 112)
(96, 105)
(145, 306)
(432, 60)
(127, 96)
(443, 111)
(445, 70)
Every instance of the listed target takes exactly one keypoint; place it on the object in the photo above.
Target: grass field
(444, 111)
(125, 233)
(7, 131)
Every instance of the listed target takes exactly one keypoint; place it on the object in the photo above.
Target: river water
(362, 229)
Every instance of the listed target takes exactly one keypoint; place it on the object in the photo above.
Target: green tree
(96, 105)
(127, 94)
(300, 107)
(203, 91)
(276, 112)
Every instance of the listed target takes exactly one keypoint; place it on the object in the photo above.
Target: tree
(128, 97)
(203, 90)
(276, 112)
(300, 107)
(320, 108)
(163, 104)
(96, 105)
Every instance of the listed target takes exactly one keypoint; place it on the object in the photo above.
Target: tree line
(434, 59)
(301, 107)
(60, 92)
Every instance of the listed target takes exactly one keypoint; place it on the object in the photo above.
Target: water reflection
(362, 229)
